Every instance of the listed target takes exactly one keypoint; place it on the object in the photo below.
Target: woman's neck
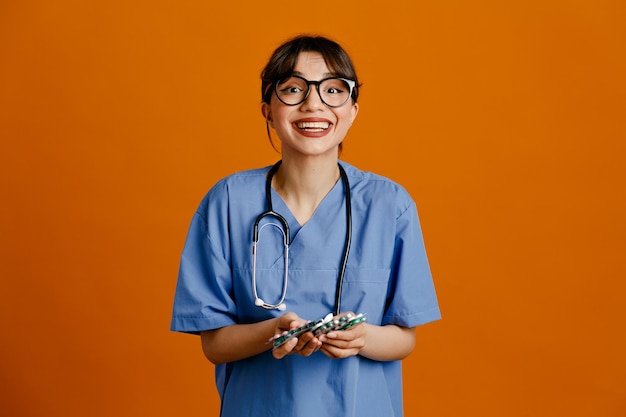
(303, 185)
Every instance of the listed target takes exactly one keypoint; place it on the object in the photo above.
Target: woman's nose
(313, 101)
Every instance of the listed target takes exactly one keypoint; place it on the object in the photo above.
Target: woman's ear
(267, 113)
(355, 111)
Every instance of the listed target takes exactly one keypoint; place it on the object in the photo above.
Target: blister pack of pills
(322, 326)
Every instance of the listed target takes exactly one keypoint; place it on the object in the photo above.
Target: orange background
(504, 120)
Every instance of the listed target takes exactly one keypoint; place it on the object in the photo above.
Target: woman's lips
(312, 127)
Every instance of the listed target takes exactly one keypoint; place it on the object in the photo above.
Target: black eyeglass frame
(351, 84)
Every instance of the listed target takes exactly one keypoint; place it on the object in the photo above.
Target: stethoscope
(284, 230)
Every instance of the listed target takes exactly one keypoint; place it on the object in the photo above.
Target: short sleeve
(412, 300)
(203, 298)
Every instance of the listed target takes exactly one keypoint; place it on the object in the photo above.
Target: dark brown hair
(283, 61)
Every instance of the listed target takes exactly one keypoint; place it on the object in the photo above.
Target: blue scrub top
(387, 278)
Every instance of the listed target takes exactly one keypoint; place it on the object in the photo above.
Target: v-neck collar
(281, 207)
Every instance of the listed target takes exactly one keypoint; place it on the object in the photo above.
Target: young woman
(336, 239)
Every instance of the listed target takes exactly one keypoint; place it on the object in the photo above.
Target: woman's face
(310, 128)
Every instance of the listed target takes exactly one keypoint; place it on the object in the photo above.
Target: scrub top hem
(418, 319)
(194, 325)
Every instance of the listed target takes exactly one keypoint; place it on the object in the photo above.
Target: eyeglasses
(334, 92)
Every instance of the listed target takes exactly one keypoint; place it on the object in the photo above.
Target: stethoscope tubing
(346, 248)
(284, 229)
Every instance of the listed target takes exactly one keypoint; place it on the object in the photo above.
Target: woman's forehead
(311, 62)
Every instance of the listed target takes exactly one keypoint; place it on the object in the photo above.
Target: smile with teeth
(313, 126)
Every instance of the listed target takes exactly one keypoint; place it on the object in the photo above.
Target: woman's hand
(381, 343)
(344, 343)
(305, 345)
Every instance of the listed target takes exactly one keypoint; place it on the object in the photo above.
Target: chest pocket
(365, 291)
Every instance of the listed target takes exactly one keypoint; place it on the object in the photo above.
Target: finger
(339, 338)
(337, 353)
(338, 344)
(304, 339)
(285, 349)
(332, 351)
(311, 347)
(308, 344)
(328, 351)
(296, 323)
